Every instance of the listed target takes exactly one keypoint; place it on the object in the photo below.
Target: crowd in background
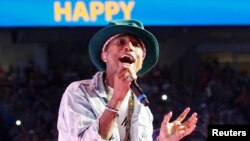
(220, 95)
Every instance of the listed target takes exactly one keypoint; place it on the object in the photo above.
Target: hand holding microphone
(128, 58)
(138, 91)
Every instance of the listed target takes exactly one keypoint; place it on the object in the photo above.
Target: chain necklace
(130, 113)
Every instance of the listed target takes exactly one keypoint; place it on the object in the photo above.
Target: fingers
(166, 119)
(130, 77)
(125, 72)
(122, 73)
(177, 129)
(188, 126)
(192, 120)
(183, 131)
(188, 131)
(183, 115)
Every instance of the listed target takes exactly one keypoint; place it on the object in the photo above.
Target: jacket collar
(98, 84)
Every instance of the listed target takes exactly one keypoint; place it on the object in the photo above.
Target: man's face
(126, 50)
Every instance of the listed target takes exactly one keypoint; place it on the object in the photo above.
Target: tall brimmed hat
(133, 27)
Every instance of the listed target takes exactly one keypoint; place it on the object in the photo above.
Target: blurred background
(204, 60)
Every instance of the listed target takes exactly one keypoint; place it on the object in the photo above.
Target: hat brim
(149, 40)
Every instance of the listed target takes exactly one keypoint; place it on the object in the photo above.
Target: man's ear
(104, 56)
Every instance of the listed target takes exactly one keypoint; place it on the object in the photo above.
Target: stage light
(18, 122)
(164, 97)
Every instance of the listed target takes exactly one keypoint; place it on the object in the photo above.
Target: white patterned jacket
(81, 107)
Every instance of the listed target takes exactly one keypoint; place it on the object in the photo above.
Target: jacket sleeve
(76, 119)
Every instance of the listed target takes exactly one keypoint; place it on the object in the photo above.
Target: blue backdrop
(41, 13)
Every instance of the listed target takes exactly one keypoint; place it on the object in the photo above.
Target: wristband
(112, 110)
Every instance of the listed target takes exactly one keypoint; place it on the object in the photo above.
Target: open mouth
(127, 59)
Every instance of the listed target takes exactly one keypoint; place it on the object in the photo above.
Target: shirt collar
(98, 84)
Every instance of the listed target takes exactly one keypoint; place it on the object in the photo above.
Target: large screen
(54, 13)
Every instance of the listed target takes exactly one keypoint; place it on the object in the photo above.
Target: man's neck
(109, 78)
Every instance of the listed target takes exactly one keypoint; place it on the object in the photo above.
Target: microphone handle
(139, 93)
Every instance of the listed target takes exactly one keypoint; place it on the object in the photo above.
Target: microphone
(139, 93)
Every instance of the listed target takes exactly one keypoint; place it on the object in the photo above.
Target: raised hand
(177, 130)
